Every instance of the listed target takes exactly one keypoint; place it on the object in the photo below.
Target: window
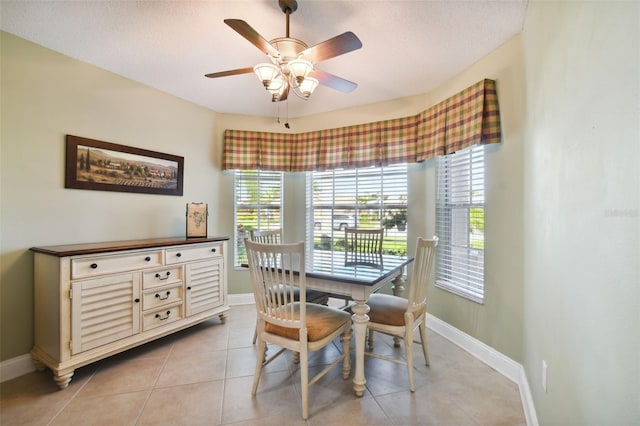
(370, 197)
(258, 205)
(460, 223)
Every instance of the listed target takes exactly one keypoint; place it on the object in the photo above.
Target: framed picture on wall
(197, 214)
(106, 166)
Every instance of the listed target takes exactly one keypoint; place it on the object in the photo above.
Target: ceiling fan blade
(338, 45)
(333, 81)
(230, 72)
(246, 31)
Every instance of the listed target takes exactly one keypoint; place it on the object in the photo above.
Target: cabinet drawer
(161, 277)
(192, 252)
(162, 296)
(161, 316)
(83, 267)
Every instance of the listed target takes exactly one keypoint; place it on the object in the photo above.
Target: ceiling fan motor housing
(288, 5)
(289, 48)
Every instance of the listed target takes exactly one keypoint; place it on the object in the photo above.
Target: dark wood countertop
(108, 246)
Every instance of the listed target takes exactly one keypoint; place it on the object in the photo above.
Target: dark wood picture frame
(106, 166)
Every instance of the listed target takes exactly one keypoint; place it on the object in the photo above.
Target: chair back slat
(422, 270)
(278, 274)
(363, 247)
(269, 236)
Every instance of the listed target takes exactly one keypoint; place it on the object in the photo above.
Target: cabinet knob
(94, 265)
(136, 300)
(178, 254)
(148, 259)
(189, 288)
(213, 250)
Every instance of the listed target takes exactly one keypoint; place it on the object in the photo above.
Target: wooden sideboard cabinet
(96, 300)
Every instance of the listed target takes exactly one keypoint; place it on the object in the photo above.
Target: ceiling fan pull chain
(287, 123)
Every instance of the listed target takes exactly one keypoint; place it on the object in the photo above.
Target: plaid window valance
(468, 118)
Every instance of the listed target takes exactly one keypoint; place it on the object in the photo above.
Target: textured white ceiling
(409, 47)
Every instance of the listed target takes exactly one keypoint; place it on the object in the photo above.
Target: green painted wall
(45, 96)
(582, 211)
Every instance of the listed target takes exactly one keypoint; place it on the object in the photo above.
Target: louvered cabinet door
(205, 286)
(104, 310)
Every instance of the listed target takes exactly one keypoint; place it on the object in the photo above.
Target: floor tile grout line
(75, 394)
(224, 377)
(386, 415)
(153, 386)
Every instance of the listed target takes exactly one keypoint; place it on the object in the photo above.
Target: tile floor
(203, 376)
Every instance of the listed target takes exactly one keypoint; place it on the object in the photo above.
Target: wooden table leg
(398, 285)
(360, 320)
(398, 290)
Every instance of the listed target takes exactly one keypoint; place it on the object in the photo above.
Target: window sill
(460, 291)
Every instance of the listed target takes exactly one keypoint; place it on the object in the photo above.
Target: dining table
(327, 272)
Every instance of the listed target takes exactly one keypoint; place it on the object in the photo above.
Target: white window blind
(460, 223)
(371, 197)
(258, 205)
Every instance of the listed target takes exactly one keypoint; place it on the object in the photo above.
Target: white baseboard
(16, 367)
(240, 299)
(527, 399)
(504, 365)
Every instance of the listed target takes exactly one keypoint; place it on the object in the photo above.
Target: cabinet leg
(223, 317)
(63, 380)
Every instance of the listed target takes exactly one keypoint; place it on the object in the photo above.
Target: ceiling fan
(292, 62)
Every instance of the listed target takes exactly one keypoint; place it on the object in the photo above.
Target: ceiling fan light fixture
(277, 88)
(307, 86)
(300, 69)
(277, 95)
(275, 85)
(266, 73)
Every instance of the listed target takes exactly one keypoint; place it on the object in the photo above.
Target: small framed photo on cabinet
(197, 214)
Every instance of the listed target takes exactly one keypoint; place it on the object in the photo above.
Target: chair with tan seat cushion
(275, 236)
(399, 317)
(276, 271)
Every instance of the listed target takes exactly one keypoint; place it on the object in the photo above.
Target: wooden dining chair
(275, 236)
(399, 317)
(276, 271)
(363, 247)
